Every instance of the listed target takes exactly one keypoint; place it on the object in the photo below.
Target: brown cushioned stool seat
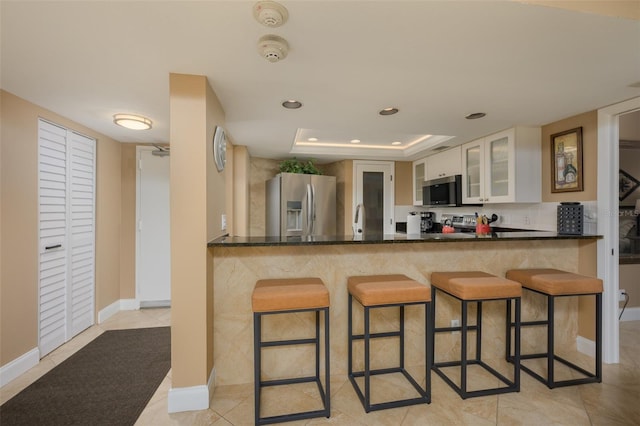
(553, 283)
(383, 291)
(289, 293)
(283, 296)
(476, 287)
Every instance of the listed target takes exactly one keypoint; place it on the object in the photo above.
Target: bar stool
(477, 287)
(383, 291)
(553, 283)
(286, 296)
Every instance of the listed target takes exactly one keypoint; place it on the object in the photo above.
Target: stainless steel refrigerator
(299, 205)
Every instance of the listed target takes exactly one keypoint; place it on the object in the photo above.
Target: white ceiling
(436, 61)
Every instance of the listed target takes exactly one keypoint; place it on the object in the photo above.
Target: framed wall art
(627, 184)
(566, 161)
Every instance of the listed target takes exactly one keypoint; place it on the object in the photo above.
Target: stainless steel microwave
(443, 192)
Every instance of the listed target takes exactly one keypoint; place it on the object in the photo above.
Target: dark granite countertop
(228, 241)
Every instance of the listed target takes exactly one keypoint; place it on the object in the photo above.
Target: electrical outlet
(621, 294)
(223, 224)
(527, 220)
(455, 323)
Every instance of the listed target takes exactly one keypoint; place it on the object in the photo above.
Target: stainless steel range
(465, 222)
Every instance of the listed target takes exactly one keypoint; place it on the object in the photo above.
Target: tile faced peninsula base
(236, 270)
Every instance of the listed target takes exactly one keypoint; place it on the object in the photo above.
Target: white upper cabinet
(419, 173)
(445, 163)
(503, 168)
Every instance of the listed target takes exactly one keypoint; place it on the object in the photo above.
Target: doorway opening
(153, 247)
(608, 222)
(374, 198)
(629, 215)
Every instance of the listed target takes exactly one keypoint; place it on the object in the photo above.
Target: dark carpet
(108, 382)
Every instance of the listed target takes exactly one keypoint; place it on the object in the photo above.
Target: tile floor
(613, 402)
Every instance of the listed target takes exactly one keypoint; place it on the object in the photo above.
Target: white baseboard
(19, 366)
(106, 313)
(630, 314)
(117, 306)
(586, 346)
(129, 304)
(192, 398)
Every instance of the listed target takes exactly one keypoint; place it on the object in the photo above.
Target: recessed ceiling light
(396, 143)
(355, 140)
(133, 122)
(292, 104)
(388, 111)
(475, 115)
(313, 139)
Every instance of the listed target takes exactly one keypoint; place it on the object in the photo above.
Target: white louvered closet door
(52, 163)
(66, 182)
(82, 232)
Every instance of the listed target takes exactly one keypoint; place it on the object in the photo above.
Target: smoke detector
(270, 13)
(273, 48)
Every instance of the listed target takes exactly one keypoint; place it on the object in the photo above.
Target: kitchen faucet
(359, 214)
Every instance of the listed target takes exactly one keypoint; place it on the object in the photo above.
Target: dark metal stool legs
(258, 344)
(550, 354)
(465, 362)
(365, 397)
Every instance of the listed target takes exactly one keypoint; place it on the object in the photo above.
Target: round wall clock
(220, 148)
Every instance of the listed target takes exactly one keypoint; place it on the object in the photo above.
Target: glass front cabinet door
(419, 173)
(473, 165)
(499, 157)
(502, 168)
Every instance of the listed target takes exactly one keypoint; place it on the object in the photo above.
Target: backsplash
(540, 216)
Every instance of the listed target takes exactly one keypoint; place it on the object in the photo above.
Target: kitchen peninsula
(239, 262)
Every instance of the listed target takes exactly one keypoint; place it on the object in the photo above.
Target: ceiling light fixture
(475, 115)
(270, 13)
(292, 104)
(355, 141)
(388, 111)
(396, 143)
(133, 122)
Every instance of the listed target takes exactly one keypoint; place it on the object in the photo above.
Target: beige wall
(588, 251)
(128, 222)
(404, 183)
(342, 170)
(589, 123)
(262, 169)
(19, 207)
(241, 178)
(108, 207)
(198, 198)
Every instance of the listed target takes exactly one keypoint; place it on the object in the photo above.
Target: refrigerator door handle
(313, 210)
(309, 197)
